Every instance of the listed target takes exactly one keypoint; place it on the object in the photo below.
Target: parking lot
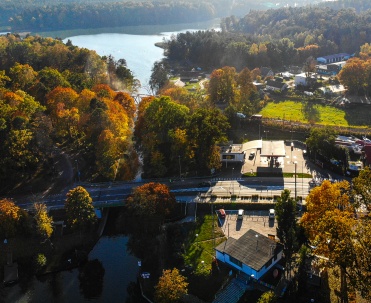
(256, 220)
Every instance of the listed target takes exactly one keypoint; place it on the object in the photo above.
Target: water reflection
(115, 267)
(91, 279)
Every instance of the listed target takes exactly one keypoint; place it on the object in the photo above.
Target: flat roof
(254, 144)
(232, 149)
(273, 149)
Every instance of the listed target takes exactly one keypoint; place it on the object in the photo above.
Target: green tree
(360, 273)
(159, 76)
(44, 223)
(206, 128)
(361, 189)
(302, 270)
(79, 208)
(23, 76)
(285, 211)
(170, 287)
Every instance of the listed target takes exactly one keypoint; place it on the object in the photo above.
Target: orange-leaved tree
(9, 218)
(151, 199)
(171, 287)
(329, 223)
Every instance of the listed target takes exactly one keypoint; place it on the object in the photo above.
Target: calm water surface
(120, 268)
(134, 44)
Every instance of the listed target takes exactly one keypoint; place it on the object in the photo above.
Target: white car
(271, 214)
(240, 214)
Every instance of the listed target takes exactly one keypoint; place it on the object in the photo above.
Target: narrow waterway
(120, 269)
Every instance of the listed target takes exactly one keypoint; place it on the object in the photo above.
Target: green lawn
(200, 248)
(317, 113)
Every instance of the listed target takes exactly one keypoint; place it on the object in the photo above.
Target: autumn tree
(329, 223)
(355, 75)
(151, 199)
(222, 85)
(79, 208)
(248, 102)
(171, 287)
(10, 216)
(268, 297)
(44, 223)
(23, 76)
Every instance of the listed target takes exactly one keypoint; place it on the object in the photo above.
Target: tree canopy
(79, 208)
(151, 199)
(171, 287)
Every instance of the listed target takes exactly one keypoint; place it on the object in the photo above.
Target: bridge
(114, 194)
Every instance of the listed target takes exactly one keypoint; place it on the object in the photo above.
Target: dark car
(205, 184)
(252, 155)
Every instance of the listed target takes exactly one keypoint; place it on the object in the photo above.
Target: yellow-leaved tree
(329, 223)
(9, 218)
(44, 223)
(171, 287)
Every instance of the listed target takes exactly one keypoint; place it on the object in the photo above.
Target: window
(235, 261)
(268, 263)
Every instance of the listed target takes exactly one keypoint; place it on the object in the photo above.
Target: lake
(134, 44)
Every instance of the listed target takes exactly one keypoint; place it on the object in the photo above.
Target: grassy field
(306, 112)
(200, 247)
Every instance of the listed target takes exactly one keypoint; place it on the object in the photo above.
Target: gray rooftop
(273, 148)
(252, 249)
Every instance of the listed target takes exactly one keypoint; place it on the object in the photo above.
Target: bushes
(39, 262)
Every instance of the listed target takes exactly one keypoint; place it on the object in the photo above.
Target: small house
(274, 85)
(253, 253)
(333, 58)
(303, 80)
(266, 72)
(232, 153)
(330, 69)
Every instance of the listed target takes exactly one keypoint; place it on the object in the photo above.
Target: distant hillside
(48, 15)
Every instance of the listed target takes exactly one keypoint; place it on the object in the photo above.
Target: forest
(57, 98)
(48, 15)
(275, 38)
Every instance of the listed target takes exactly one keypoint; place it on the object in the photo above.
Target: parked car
(222, 213)
(205, 184)
(240, 214)
(271, 214)
(252, 155)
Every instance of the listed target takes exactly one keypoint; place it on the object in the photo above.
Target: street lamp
(180, 169)
(295, 179)
(292, 148)
(266, 134)
(77, 168)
